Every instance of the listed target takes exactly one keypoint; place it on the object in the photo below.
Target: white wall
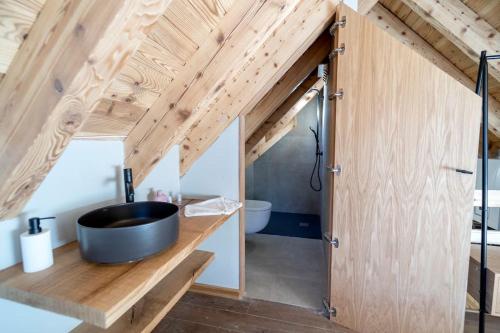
(88, 175)
(216, 172)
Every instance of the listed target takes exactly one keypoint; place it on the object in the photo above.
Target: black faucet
(129, 185)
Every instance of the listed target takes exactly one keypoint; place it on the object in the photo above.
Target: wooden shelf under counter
(102, 294)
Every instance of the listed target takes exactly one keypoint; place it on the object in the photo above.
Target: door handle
(467, 172)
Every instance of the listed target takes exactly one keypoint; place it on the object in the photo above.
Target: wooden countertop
(100, 294)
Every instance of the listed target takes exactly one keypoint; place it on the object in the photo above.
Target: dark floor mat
(293, 225)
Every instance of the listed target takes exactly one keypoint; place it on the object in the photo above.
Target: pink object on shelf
(160, 196)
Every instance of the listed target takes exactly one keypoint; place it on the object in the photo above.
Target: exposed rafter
(398, 29)
(462, 26)
(290, 40)
(287, 111)
(268, 141)
(285, 86)
(74, 50)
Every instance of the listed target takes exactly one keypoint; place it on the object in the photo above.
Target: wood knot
(219, 86)
(156, 160)
(220, 37)
(79, 30)
(184, 114)
(72, 121)
(58, 86)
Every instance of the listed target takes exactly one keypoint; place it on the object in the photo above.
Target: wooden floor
(492, 324)
(208, 314)
(198, 313)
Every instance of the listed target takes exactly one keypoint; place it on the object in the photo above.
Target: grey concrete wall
(281, 175)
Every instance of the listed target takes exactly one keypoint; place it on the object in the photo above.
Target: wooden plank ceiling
(200, 64)
(196, 59)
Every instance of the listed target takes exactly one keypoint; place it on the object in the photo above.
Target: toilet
(257, 214)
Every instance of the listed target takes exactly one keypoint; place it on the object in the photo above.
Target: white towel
(217, 206)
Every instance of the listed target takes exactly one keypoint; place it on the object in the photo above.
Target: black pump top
(35, 224)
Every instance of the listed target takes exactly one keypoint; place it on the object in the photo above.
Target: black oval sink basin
(127, 232)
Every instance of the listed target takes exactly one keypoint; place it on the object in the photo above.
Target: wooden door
(400, 211)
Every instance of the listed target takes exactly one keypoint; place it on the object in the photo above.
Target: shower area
(285, 261)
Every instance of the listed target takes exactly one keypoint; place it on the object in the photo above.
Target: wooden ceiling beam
(307, 63)
(268, 141)
(399, 30)
(286, 111)
(462, 26)
(74, 50)
(233, 44)
(364, 6)
(248, 86)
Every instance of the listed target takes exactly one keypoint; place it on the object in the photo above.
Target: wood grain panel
(74, 51)
(145, 315)
(255, 79)
(400, 211)
(101, 294)
(16, 19)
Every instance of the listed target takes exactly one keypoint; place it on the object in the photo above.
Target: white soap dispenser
(36, 247)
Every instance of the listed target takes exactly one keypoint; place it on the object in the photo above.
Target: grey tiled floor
(284, 269)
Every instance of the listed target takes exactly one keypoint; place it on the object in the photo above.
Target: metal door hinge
(338, 94)
(336, 169)
(338, 50)
(333, 241)
(327, 310)
(337, 24)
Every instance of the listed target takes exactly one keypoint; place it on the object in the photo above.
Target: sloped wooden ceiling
(260, 49)
(181, 69)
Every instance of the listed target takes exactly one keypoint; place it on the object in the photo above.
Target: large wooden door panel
(401, 212)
